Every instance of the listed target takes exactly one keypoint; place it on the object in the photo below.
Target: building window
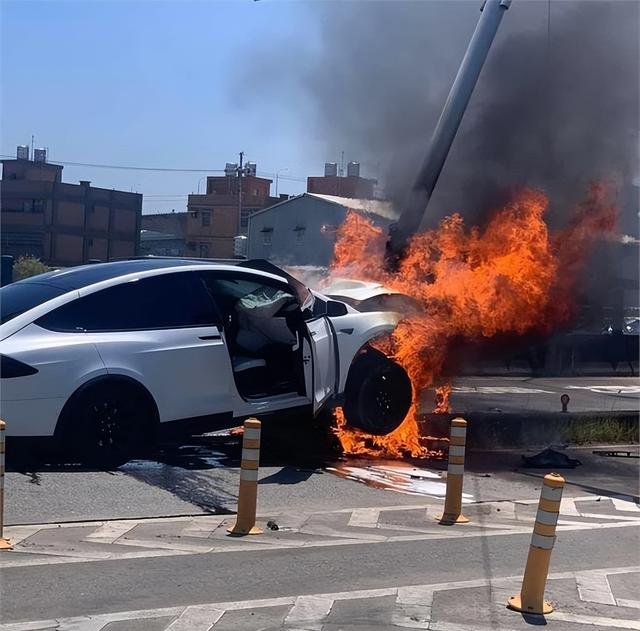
(299, 230)
(34, 206)
(206, 218)
(266, 237)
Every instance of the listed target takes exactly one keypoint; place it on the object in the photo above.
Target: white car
(100, 357)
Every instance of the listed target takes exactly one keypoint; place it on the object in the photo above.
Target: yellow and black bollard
(531, 597)
(248, 495)
(4, 543)
(455, 475)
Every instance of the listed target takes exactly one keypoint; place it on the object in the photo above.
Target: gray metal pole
(450, 118)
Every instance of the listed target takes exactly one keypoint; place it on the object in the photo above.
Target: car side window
(167, 301)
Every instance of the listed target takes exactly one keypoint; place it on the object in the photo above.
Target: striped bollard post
(248, 495)
(4, 543)
(455, 475)
(531, 596)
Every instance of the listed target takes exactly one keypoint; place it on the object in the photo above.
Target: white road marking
(624, 602)
(364, 518)
(110, 531)
(197, 618)
(624, 505)
(596, 621)
(411, 595)
(568, 507)
(498, 390)
(612, 516)
(594, 587)
(607, 389)
(309, 611)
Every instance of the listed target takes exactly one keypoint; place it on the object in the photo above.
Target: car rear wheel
(106, 424)
(377, 394)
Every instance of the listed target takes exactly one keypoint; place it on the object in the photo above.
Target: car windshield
(17, 298)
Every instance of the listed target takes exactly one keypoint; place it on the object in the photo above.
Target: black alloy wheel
(106, 424)
(377, 395)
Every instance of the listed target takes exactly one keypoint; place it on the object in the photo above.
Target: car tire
(378, 394)
(106, 424)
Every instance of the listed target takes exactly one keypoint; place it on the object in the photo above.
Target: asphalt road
(528, 395)
(44, 592)
(201, 475)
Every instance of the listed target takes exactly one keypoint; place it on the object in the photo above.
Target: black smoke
(556, 105)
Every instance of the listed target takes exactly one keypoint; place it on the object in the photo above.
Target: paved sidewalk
(596, 599)
(48, 544)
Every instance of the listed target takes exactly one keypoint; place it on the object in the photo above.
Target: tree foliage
(27, 266)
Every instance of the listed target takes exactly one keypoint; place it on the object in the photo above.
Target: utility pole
(240, 174)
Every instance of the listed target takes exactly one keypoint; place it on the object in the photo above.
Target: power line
(122, 167)
(129, 168)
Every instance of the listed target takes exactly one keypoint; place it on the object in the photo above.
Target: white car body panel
(187, 376)
(70, 361)
(324, 362)
(354, 331)
(200, 380)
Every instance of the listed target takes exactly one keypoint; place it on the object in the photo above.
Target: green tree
(27, 266)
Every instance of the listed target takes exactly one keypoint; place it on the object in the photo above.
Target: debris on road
(551, 459)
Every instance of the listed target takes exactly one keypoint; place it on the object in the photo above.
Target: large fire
(514, 276)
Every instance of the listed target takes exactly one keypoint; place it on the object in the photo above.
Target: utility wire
(121, 167)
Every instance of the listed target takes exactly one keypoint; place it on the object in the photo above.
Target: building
(212, 221)
(352, 186)
(302, 230)
(60, 223)
(164, 234)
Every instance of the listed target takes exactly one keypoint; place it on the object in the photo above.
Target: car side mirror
(335, 309)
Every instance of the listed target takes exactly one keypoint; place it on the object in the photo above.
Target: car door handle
(313, 333)
(210, 337)
(348, 331)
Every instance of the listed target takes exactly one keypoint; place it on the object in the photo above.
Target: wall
(67, 224)
(289, 245)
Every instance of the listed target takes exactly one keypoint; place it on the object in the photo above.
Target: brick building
(64, 224)
(212, 218)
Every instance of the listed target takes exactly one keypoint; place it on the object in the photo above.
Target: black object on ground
(618, 453)
(551, 459)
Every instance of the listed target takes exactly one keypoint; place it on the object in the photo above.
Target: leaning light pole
(448, 124)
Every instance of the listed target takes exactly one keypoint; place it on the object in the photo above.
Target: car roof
(85, 275)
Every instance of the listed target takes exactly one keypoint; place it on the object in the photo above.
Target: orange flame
(512, 276)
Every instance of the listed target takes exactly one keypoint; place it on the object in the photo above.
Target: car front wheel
(105, 425)
(377, 394)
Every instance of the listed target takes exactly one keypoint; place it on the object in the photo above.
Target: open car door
(323, 361)
(319, 351)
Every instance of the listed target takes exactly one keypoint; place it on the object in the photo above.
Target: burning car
(101, 357)
(370, 296)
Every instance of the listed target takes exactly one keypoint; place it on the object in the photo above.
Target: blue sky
(153, 83)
